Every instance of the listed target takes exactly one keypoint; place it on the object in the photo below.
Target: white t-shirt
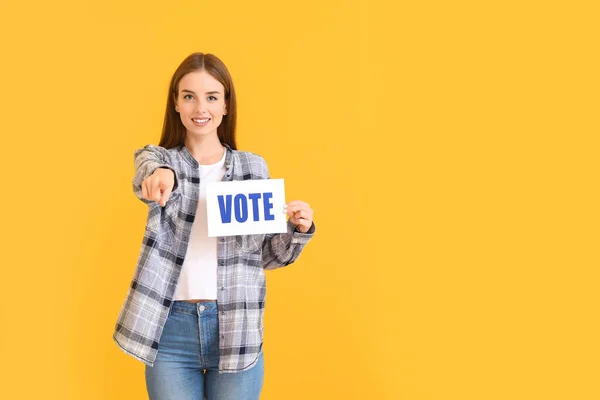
(198, 278)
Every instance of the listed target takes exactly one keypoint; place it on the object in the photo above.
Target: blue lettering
(241, 208)
(254, 197)
(225, 209)
(267, 197)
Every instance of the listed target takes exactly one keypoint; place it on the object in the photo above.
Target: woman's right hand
(158, 186)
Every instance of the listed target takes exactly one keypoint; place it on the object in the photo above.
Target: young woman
(194, 311)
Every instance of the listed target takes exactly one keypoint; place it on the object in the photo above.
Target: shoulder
(249, 157)
(156, 150)
(157, 153)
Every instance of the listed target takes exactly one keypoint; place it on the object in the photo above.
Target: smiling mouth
(200, 120)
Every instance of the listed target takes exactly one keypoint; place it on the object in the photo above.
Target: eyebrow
(189, 91)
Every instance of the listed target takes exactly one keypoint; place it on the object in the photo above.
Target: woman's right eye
(186, 96)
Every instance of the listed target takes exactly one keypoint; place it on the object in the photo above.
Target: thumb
(165, 197)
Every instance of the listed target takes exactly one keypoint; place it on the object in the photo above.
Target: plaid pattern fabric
(242, 260)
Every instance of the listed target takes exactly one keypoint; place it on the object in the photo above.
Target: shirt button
(222, 312)
(222, 336)
(222, 288)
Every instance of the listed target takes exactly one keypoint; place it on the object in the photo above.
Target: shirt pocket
(162, 221)
(250, 243)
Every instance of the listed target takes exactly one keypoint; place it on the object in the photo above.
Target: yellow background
(449, 150)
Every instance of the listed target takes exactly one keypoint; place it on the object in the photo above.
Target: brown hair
(173, 133)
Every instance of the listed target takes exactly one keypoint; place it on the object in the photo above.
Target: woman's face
(201, 103)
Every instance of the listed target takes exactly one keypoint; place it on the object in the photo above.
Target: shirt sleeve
(281, 249)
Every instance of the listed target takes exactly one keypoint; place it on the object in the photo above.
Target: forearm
(283, 249)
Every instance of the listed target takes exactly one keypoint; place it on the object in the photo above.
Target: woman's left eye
(212, 97)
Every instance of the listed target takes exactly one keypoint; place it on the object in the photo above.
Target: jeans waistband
(202, 307)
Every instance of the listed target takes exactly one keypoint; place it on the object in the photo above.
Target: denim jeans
(186, 367)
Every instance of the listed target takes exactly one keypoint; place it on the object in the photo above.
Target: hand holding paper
(301, 215)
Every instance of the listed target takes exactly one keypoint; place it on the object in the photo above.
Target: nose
(200, 107)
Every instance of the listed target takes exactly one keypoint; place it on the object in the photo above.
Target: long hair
(173, 133)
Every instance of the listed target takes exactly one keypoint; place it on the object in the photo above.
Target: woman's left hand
(301, 215)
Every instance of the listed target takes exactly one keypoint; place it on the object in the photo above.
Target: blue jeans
(186, 366)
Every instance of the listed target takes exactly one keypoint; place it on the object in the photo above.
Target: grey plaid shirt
(242, 260)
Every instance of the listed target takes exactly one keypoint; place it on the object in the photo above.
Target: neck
(205, 149)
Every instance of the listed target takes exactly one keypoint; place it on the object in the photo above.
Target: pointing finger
(144, 190)
(165, 197)
(154, 190)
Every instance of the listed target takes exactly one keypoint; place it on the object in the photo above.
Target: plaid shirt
(242, 260)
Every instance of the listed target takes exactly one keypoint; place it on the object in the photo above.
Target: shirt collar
(191, 160)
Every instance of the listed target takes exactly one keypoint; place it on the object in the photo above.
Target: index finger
(154, 189)
(296, 203)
